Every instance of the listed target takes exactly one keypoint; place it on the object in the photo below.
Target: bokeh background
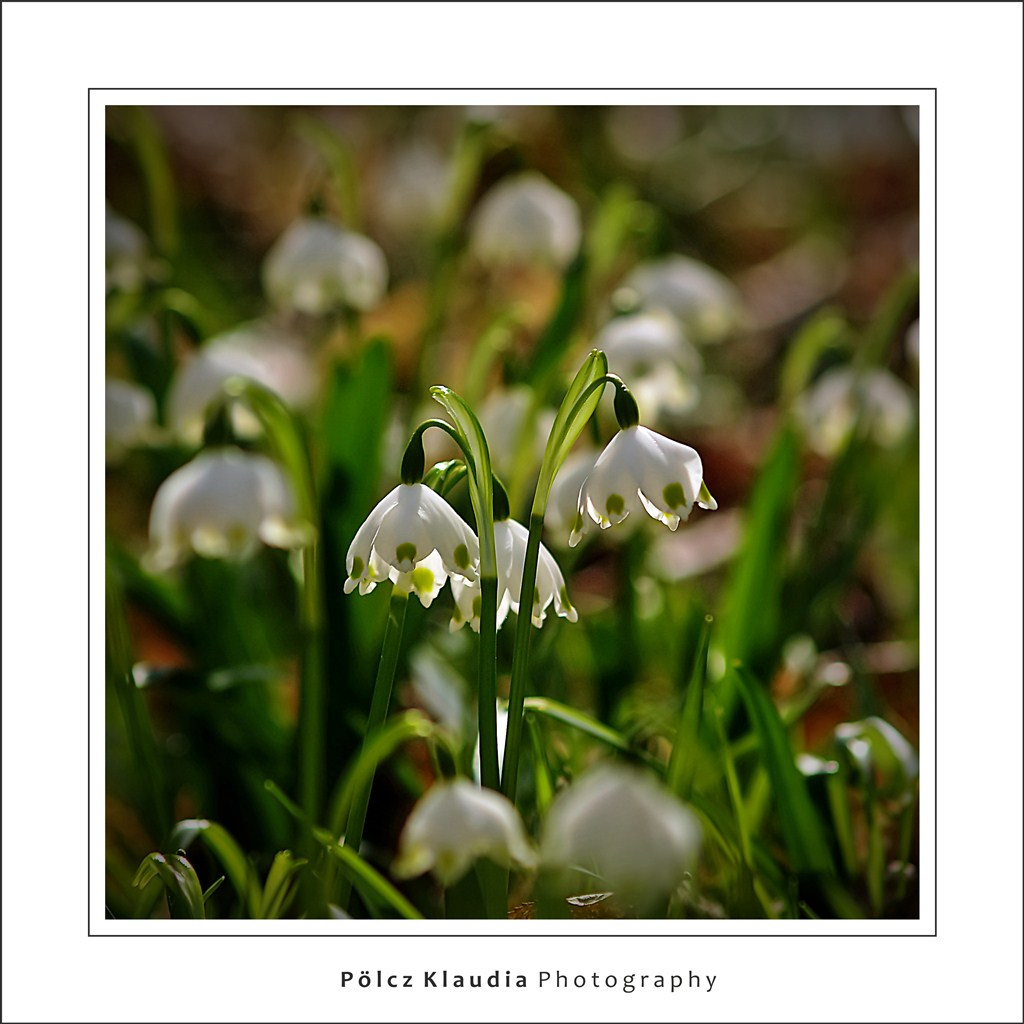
(810, 564)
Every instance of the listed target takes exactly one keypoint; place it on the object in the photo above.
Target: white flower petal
(525, 219)
(219, 505)
(454, 824)
(628, 829)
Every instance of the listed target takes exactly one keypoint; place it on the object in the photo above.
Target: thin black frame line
(935, 384)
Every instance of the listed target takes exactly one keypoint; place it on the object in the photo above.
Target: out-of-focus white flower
(563, 498)
(650, 350)
(524, 219)
(510, 539)
(316, 266)
(641, 468)
(845, 399)
(412, 189)
(622, 825)
(260, 352)
(127, 253)
(130, 416)
(415, 539)
(705, 302)
(503, 414)
(221, 505)
(454, 824)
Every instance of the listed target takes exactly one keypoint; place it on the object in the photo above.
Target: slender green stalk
(313, 695)
(487, 700)
(378, 714)
(521, 662)
(682, 765)
(140, 736)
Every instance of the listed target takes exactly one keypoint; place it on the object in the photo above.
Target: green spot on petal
(405, 553)
(357, 567)
(477, 605)
(674, 496)
(536, 595)
(422, 579)
(563, 595)
(462, 556)
(614, 505)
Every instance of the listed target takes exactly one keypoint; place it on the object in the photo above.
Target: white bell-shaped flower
(623, 826)
(127, 253)
(316, 266)
(845, 399)
(260, 352)
(563, 498)
(704, 301)
(130, 417)
(454, 824)
(415, 539)
(510, 540)
(523, 220)
(640, 468)
(651, 351)
(221, 505)
(511, 424)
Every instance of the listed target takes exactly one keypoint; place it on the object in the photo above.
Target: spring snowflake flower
(651, 351)
(845, 399)
(221, 505)
(565, 491)
(454, 824)
(510, 539)
(705, 302)
(260, 352)
(130, 417)
(525, 219)
(641, 469)
(316, 266)
(127, 254)
(628, 829)
(415, 539)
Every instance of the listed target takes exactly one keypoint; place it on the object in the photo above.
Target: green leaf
(750, 625)
(223, 846)
(371, 884)
(402, 728)
(184, 893)
(569, 423)
(801, 827)
(683, 763)
(279, 886)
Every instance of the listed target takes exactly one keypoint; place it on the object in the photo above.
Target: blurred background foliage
(809, 567)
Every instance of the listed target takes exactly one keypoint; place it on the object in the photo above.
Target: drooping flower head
(510, 540)
(630, 831)
(221, 505)
(415, 539)
(705, 302)
(641, 470)
(258, 351)
(316, 266)
(130, 416)
(454, 824)
(525, 219)
(651, 351)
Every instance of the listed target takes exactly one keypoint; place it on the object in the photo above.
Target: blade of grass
(682, 764)
(223, 846)
(370, 883)
(801, 827)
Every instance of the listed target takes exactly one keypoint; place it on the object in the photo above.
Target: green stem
(490, 773)
(313, 695)
(521, 660)
(378, 713)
